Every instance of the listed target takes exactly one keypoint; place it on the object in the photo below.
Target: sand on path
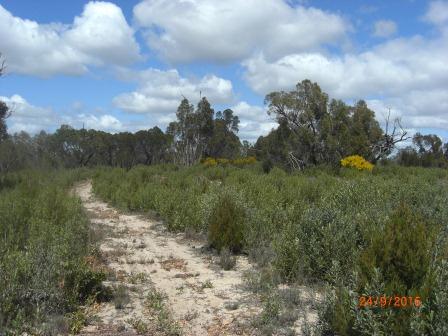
(202, 297)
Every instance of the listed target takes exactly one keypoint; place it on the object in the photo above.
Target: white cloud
(160, 92)
(27, 117)
(408, 74)
(254, 121)
(384, 28)
(437, 13)
(99, 36)
(33, 119)
(183, 31)
(103, 122)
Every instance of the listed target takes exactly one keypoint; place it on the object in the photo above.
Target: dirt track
(201, 297)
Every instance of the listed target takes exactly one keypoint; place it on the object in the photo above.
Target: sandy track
(143, 256)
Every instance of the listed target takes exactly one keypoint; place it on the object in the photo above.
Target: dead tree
(2, 65)
(5, 110)
(295, 163)
(386, 145)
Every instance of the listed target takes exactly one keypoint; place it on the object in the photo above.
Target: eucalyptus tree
(4, 109)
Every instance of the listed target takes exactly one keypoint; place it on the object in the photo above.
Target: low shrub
(225, 217)
(312, 227)
(44, 241)
(357, 162)
(240, 162)
(210, 162)
(267, 165)
(397, 261)
(226, 260)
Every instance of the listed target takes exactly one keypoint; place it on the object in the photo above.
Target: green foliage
(225, 217)
(165, 323)
(401, 251)
(397, 261)
(4, 113)
(313, 131)
(267, 165)
(44, 240)
(315, 227)
(426, 152)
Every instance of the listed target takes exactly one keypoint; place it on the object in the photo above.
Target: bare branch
(2, 65)
(295, 163)
(387, 144)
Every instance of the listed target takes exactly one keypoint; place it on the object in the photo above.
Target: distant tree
(224, 142)
(408, 156)
(152, 145)
(185, 135)
(2, 65)
(336, 131)
(365, 131)
(205, 115)
(428, 151)
(4, 113)
(106, 149)
(429, 143)
(231, 121)
(18, 152)
(247, 149)
(303, 110)
(323, 131)
(197, 134)
(4, 109)
(126, 154)
(46, 153)
(445, 151)
(278, 147)
(76, 148)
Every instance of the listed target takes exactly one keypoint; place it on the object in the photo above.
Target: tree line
(198, 133)
(184, 143)
(312, 130)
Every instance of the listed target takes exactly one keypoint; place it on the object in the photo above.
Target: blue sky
(124, 65)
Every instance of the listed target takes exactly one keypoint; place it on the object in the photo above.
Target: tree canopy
(315, 130)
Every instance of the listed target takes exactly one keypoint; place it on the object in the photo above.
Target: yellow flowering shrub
(210, 162)
(357, 162)
(244, 161)
(222, 161)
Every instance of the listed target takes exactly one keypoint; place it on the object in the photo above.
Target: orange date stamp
(384, 301)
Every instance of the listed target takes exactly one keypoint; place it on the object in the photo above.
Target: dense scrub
(44, 234)
(356, 233)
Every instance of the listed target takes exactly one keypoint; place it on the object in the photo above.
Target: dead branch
(2, 65)
(295, 163)
(387, 144)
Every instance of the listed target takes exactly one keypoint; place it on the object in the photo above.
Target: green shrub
(44, 241)
(397, 261)
(401, 251)
(267, 165)
(225, 220)
(315, 226)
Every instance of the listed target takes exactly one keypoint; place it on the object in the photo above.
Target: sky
(125, 65)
